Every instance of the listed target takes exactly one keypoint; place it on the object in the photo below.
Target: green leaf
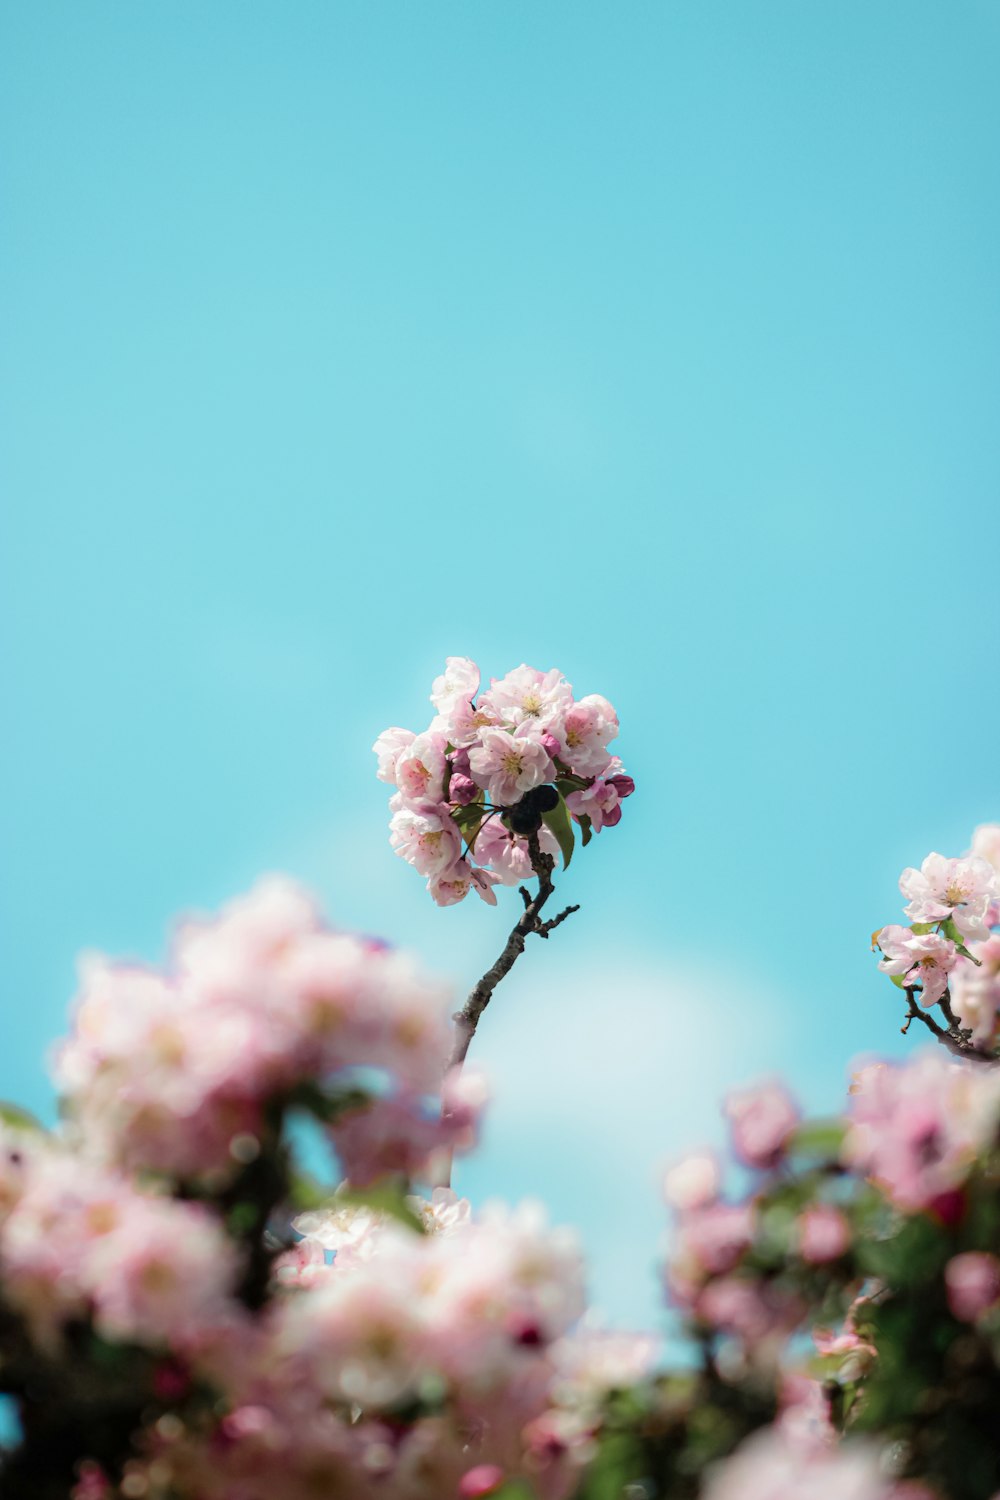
(558, 823)
(386, 1197)
(20, 1119)
(468, 814)
(586, 829)
(306, 1192)
(897, 980)
(921, 929)
(570, 783)
(818, 1138)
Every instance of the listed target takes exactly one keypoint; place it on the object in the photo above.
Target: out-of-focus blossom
(973, 1284)
(761, 1120)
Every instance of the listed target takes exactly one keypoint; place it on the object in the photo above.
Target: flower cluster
(260, 1010)
(497, 773)
(947, 957)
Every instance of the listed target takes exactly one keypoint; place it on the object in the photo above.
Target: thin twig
(468, 1018)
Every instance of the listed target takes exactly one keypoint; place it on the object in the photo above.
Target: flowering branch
(467, 1019)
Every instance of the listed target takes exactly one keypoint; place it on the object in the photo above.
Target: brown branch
(467, 1019)
(957, 1038)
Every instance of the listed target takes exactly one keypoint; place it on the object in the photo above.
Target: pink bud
(973, 1284)
(484, 1479)
(623, 785)
(460, 762)
(551, 744)
(462, 790)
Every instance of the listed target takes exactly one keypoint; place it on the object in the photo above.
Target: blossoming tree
(187, 1314)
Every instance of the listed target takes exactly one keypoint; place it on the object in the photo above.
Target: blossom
(975, 990)
(528, 694)
(770, 1465)
(426, 839)
(420, 768)
(588, 725)
(961, 889)
(761, 1119)
(925, 959)
(693, 1181)
(823, 1232)
(508, 765)
(917, 1128)
(458, 682)
(601, 802)
(388, 747)
(972, 1281)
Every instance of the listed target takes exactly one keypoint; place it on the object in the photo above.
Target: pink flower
(771, 1466)
(973, 1284)
(986, 843)
(917, 1129)
(388, 747)
(601, 802)
(924, 959)
(426, 839)
(484, 1479)
(458, 683)
(824, 1234)
(694, 1181)
(587, 727)
(455, 883)
(761, 1120)
(975, 991)
(420, 769)
(958, 888)
(527, 694)
(508, 765)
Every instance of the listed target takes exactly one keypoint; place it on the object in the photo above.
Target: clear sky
(657, 342)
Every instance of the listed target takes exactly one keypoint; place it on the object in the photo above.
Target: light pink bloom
(972, 1281)
(388, 747)
(694, 1181)
(986, 843)
(507, 855)
(958, 888)
(528, 694)
(458, 683)
(975, 991)
(925, 960)
(601, 803)
(455, 883)
(761, 1119)
(420, 769)
(771, 1466)
(918, 1128)
(484, 1479)
(508, 765)
(824, 1233)
(587, 727)
(426, 839)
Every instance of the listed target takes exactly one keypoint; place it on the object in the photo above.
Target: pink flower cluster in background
(494, 768)
(948, 956)
(180, 1071)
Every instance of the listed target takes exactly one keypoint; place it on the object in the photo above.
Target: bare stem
(468, 1018)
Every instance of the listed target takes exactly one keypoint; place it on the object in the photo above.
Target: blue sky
(658, 342)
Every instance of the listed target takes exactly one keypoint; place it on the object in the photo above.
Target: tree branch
(467, 1019)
